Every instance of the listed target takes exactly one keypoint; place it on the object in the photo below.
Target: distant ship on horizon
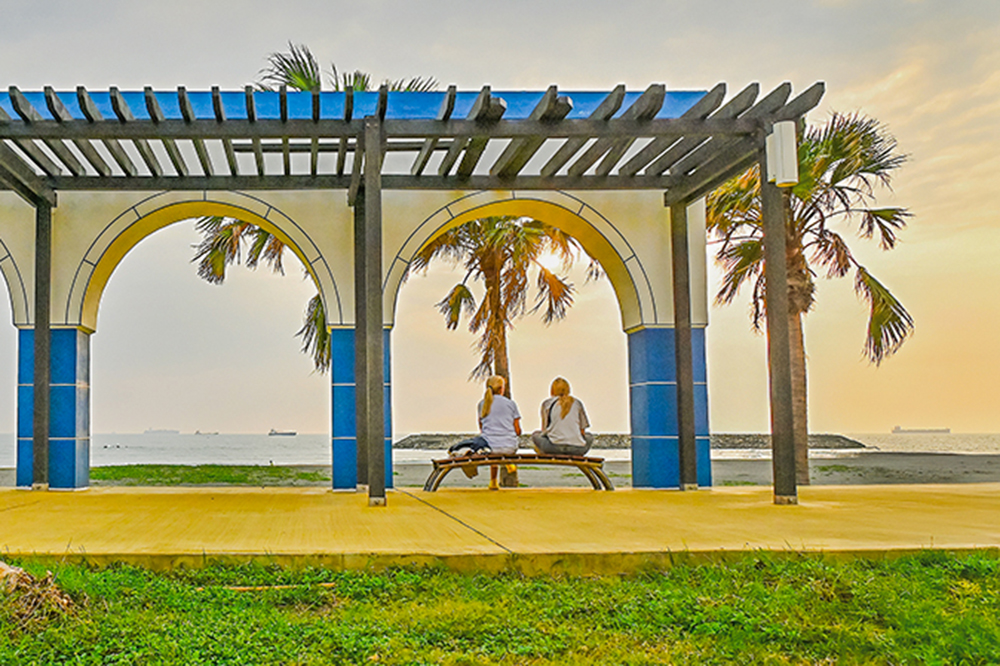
(154, 431)
(921, 431)
(281, 433)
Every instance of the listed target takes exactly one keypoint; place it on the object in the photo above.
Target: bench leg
(589, 473)
(599, 473)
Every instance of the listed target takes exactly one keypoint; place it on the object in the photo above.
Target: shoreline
(848, 467)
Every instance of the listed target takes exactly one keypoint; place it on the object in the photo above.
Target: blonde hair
(494, 386)
(560, 389)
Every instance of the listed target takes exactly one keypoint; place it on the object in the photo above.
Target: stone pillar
(343, 422)
(69, 411)
(653, 408)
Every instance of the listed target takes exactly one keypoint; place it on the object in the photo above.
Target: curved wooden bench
(592, 468)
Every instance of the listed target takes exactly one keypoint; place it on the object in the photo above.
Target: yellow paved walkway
(567, 530)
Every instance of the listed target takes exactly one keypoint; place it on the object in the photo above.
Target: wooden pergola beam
(430, 144)
(32, 151)
(600, 117)
(94, 117)
(733, 108)
(348, 111)
(716, 145)
(62, 114)
(187, 112)
(515, 156)
(701, 110)
(227, 144)
(125, 116)
(21, 178)
(333, 182)
(237, 128)
(156, 115)
(642, 110)
(30, 116)
(479, 109)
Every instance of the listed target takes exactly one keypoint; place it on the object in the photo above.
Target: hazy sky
(172, 352)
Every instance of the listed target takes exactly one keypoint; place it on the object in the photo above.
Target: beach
(736, 459)
(863, 467)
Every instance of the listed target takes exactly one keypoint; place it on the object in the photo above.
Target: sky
(173, 352)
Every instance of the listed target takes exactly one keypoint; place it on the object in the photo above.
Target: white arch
(142, 219)
(595, 232)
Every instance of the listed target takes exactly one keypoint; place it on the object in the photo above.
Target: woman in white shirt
(564, 424)
(499, 422)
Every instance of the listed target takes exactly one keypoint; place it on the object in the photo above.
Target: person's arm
(517, 426)
(584, 421)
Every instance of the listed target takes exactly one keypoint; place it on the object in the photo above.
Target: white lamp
(782, 155)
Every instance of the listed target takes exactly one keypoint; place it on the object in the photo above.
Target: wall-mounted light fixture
(782, 155)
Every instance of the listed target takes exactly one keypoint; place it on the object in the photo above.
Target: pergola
(682, 143)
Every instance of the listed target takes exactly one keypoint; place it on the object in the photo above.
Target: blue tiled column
(344, 426)
(653, 408)
(69, 420)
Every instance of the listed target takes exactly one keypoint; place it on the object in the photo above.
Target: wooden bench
(592, 468)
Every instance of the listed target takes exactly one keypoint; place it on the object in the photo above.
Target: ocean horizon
(168, 448)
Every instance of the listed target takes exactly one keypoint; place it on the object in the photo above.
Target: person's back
(497, 427)
(564, 424)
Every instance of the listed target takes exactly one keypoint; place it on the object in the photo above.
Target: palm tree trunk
(501, 364)
(800, 403)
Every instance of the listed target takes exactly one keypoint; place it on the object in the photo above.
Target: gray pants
(544, 445)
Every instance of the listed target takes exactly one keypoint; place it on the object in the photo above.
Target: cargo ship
(921, 431)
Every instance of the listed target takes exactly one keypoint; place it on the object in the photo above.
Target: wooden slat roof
(681, 142)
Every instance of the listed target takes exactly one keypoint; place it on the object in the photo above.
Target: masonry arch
(132, 225)
(598, 235)
(16, 290)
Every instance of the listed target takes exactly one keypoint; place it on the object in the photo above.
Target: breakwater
(440, 441)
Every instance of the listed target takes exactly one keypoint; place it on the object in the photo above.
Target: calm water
(315, 449)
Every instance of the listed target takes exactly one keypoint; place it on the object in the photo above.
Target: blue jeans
(544, 445)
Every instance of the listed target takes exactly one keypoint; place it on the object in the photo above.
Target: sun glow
(550, 261)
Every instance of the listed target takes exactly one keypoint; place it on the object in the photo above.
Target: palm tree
(841, 165)
(502, 252)
(223, 238)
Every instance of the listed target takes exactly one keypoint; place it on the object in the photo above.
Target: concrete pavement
(565, 530)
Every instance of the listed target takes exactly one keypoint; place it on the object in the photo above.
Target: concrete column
(69, 409)
(653, 408)
(344, 423)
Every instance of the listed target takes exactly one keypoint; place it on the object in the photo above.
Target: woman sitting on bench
(499, 422)
(564, 424)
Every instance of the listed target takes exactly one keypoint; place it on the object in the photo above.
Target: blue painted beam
(401, 105)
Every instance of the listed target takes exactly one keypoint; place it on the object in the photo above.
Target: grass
(927, 608)
(172, 475)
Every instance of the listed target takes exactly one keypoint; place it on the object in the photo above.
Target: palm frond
(458, 300)
(889, 324)
(884, 221)
(220, 246)
(315, 335)
(414, 84)
(555, 293)
(297, 68)
(266, 247)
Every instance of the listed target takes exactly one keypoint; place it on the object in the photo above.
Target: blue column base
(69, 415)
(344, 425)
(653, 409)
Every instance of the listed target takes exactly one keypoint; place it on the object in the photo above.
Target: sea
(311, 449)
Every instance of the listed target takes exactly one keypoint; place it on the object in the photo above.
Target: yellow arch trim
(579, 228)
(152, 222)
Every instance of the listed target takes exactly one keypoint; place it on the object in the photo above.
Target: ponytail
(560, 390)
(494, 386)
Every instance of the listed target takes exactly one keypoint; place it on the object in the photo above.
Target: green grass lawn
(172, 475)
(930, 608)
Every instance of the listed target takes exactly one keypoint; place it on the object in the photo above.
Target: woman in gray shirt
(499, 422)
(564, 424)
